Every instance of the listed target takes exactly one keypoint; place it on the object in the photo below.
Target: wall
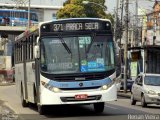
(48, 14)
(38, 2)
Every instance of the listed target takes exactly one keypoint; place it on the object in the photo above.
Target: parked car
(129, 84)
(146, 89)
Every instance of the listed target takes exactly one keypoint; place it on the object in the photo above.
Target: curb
(6, 84)
(124, 95)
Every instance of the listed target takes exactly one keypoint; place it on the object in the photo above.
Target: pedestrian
(7, 20)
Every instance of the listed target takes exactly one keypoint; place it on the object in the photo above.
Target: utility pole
(116, 20)
(155, 29)
(29, 6)
(122, 4)
(136, 24)
(126, 48)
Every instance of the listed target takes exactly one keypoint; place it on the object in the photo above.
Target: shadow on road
(151, 106)
(74, 111)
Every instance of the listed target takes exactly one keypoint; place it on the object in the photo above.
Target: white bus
(69, 61)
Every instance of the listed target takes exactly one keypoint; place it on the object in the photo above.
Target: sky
(111, 4)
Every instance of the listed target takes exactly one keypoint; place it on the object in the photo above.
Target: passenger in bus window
(43, 60)
(7, 21)
(4, 21)
(0, 21)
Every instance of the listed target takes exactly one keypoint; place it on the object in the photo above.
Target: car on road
(146, 89)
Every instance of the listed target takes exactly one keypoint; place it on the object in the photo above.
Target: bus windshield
(77, 54)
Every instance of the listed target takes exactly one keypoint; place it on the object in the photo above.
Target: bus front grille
(72, 99)
(83, 88)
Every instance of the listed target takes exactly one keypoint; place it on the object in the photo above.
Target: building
(151, 41)
(153, 25)
(46, 9)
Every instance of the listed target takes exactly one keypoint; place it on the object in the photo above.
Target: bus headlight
(56, 90)
(51, 88)
(105, 87)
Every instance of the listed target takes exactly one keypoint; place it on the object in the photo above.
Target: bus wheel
(24, 103)
(41, 109)
(99, 107)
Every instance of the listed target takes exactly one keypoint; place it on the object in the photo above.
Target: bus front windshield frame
(77, 54)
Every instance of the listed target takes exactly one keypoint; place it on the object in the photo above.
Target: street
(120, 109)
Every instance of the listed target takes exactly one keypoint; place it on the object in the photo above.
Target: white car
(146, 89)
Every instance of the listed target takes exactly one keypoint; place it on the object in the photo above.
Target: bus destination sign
(78, 26)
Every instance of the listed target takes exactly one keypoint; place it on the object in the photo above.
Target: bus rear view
(75, 63)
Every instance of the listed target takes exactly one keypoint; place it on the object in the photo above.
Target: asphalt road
(120, 109)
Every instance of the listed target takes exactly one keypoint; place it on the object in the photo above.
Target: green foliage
(75, 8)
(70, 11)
(119, 29)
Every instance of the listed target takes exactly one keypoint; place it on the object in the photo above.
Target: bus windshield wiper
(64, 44)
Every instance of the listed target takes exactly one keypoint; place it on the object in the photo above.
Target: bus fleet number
(57, 27)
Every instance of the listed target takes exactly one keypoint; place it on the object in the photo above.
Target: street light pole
(29, 6)
(126, 49)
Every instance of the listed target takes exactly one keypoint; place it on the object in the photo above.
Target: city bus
(17, 17)
(67, 61)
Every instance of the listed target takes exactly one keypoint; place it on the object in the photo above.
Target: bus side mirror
(36, 51)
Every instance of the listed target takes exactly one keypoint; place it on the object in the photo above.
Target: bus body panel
(30, 71)
(48, 97)
(19, 77)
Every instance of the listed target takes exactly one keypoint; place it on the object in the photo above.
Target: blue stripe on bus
(76, 84)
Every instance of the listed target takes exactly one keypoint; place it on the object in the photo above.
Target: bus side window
(15, 52)
(19, 52)
(34, 43)
(25, 49)
(28, 50)
(31, 47)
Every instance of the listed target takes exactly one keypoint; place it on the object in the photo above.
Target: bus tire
(24, 103)
(35, 95)
(99, 107)
(41, 109)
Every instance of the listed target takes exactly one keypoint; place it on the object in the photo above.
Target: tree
(119, 29)
(75, 8)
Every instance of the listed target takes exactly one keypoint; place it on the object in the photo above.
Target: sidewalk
(122, 94)
(6, 113)
(4, 83)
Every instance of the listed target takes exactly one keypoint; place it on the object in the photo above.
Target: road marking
(111, 107)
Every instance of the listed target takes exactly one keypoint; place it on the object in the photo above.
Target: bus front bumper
(48, 97)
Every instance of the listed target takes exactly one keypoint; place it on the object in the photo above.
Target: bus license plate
(81, 96)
